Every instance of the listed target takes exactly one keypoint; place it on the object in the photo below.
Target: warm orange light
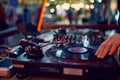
(113, 5)
(19, 1)
(41, 16)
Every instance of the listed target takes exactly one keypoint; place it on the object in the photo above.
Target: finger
(105, 47)
(104, 51)
(101, 47)
(116, 51)
(112, 50)
(114, 47)
(99, 51)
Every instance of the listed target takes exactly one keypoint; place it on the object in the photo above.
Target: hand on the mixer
(109, 46)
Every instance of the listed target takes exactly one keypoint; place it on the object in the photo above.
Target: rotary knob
(33, 52)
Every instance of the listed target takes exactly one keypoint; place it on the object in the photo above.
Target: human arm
(109, 46)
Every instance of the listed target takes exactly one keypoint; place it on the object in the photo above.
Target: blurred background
(61, 11)
(68, 12)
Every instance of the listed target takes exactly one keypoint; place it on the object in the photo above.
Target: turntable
(67, 53)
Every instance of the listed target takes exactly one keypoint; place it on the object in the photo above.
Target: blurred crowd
(30, 14)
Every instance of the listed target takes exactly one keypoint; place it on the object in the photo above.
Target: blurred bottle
(86, 41)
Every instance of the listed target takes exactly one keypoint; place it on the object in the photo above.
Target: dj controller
(64, 52)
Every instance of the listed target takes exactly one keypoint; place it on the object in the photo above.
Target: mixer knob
(60, 37)
(28, 49)
(55, 37)
(99, 40)
(62, 31)
(29, 38)
(33, 52)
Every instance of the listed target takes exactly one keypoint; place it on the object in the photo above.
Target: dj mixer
(64, 52)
